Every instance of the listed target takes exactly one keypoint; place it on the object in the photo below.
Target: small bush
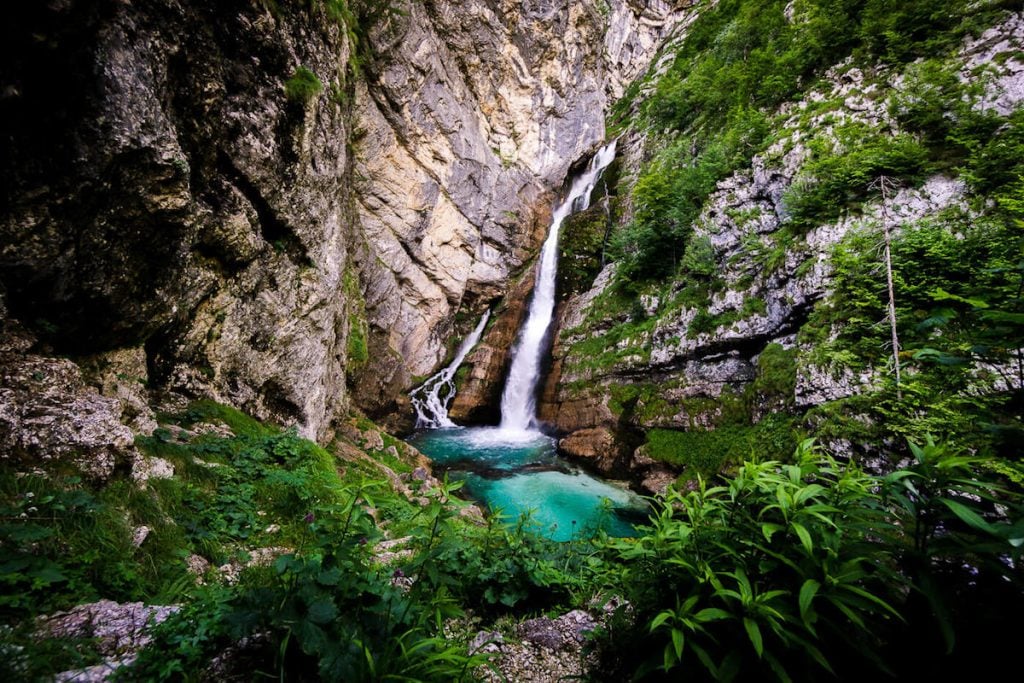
(815, 569)
(840, 174)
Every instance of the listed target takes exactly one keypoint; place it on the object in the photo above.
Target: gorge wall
(266, 204)
(754, 326)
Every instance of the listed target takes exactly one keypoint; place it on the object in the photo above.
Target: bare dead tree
(886, 186)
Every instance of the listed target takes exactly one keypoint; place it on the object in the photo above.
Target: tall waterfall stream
(514, 468)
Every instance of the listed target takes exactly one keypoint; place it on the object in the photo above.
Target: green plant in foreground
(794, 571)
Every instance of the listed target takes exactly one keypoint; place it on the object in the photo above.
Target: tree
(886, 185)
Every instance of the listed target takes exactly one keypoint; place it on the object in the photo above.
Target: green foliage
(699, 259)
(787, 572)
(776, 374)
(332, 610)
(63, 544)
(841, 172)
(707, 452)
(765, 575)
(624, 340)
(704, 322)
(581, 249)
(742, 58)
(358, 352)
(959, 314)
(901, 30)
(669, 194)
(31, 656)
(956, 549)
(303, 86)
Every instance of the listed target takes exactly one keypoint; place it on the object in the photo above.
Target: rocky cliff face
(471, 115)
(163, 191)
(665, 362)
(227, 196)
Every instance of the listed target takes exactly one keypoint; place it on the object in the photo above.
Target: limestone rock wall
(668, 375)
(471, 114)
(173, 198)
(162, 191)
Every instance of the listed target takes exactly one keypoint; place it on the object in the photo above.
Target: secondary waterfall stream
(432, 399)
(514, 468)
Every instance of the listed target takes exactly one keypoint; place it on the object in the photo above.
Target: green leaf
(322, 611)
(51, 573)
(711, 614)
(940, 294)
(705, 659)
(857, 590)
(777, 668)
(804, 536)
(967, 515)
(329, 577)
(807, 593)
(678, 642)
(660, 620)
(769, 529)
(754, 633)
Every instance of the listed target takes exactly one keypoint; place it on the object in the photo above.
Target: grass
(303, 86)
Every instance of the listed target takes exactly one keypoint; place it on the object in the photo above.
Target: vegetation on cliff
(756, 213)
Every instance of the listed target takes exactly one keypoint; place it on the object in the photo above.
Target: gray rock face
(550, 650)
(119, 629)
(470, 116)
(564, 633)
(269, 247)
(673, 375)
(48, 415)
(175, 198)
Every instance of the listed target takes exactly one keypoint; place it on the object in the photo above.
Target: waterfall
(518, 401)
(432, 398)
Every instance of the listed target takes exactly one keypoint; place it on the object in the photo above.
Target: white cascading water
(518, 401)
(432, 399)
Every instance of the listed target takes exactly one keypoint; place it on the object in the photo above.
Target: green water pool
(520, 473)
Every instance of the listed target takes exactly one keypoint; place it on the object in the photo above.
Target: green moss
(303, 86)
(708, 452)
(705, 323)
(210, 411)
(605, 350)
(776, 372)
(581, 249)
(357, 348)
(358, 352)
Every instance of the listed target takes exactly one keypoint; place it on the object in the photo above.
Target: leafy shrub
(65, 543)
(707, 452)
(791, 571)
(839, 176)
(670, 192)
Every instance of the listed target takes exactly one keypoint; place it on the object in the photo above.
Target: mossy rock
(581, 248)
